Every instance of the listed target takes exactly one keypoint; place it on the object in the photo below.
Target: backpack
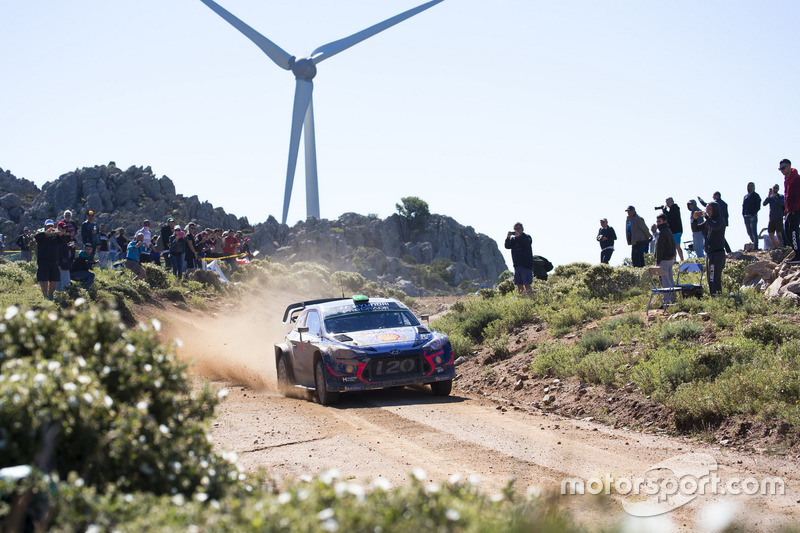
(541, 266)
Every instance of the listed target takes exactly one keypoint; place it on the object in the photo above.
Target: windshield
(370, 320)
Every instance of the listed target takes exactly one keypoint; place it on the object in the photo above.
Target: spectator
(791, 186)
(654, 231)
(698, 240)
(245, 249)
(164, 242)
(202, 246)
(82, 266)
(191, 256)
(144, 249)
(217, 244)
(751, 205)
(777, 205)
(132, 257)
(70, 225)
(673, 213)
(177, 248)
(606, 237)
(722, 207)
(713, 225)
(48, 240)
(155, 255)
(114, 249)
(230, 247)
(122, 240)
(2, 245)
(66, 255)
(665, 253)
(90, 233)
(520, 245)
(637, 235)
(25, 243)
(103, 252)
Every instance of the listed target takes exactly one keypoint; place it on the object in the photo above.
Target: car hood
(378, 337)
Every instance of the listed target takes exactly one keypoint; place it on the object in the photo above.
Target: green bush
(571, 270)
(172, 294)
(683, 330)
(506, 286)
(596, 341)
(157, 277)
(81, 393)
(207, 278)
(13, 272)
(768, 331)
(603, 280)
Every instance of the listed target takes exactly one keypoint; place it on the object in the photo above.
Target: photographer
(47, 273)
(606, 237)
(638, 236)
(521, 256)
(82, 266)
(177, 249)
(776, 204)
(698, 239)
(673, 214)
(751, 205)
(713, 226)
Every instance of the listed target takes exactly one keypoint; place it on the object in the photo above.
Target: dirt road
(388, 433)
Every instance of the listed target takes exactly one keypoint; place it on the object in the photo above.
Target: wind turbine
(304, 71)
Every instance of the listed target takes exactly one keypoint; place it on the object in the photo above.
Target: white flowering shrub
(82, 393)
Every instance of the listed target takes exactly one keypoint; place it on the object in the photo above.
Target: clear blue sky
(555, 114)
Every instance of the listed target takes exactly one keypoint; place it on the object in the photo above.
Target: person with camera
(520, 245)
(713, 226)
(81, 269)
(698, 239)
(673, 214)
(637, 235)
(48, 241)
(751, 205)
(776, 204)
(606, 237)
(177, 250)
(665, 254)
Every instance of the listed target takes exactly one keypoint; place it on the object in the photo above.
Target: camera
(660, 208)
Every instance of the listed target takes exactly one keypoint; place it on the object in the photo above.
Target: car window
(370, 320)
(301, 320)
(313, 322)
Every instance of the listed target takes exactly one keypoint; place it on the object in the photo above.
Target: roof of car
(341, 305)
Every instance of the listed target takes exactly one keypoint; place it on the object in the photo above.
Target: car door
(297, 341)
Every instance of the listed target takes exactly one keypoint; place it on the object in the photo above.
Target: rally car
(361, 343)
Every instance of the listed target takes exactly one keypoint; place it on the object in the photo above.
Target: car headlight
(434, 344)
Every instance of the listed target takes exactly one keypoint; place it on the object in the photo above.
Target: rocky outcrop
(437, 251)
(776, 280)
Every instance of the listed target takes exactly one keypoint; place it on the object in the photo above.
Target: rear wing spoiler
(292, 310)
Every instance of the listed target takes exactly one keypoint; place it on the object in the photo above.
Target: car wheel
(285, 380)
(324, 396)
(442, 388)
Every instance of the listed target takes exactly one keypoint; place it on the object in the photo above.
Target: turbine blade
(327, 50)
(273, 51)
(312, 188)
(302, 99)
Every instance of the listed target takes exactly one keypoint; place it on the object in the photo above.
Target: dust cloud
(233, 343)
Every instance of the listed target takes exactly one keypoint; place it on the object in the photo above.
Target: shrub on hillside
(571, 270)
(603, 280)
(207, 278)
(157, 277)
(768, 331)
(79, 392)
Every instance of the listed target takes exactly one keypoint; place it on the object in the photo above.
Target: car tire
(285, 379)
(442, 388)
(324, 396)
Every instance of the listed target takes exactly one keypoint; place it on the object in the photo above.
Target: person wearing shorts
(522, 257)
(47, 272)
(132, 261)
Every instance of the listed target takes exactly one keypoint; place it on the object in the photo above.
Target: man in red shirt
(791, 187)
(230, 246)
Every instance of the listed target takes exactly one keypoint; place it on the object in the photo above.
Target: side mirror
(427, 319)
(301, 331)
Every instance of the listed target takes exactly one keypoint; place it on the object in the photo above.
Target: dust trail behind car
(233, 344)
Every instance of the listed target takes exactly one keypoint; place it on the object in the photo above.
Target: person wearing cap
(637, 235)
(665, 253)
(48, 240)
(144, 250)
(90, 232)
(71, 227)
(606, 237)
(230, 247)
(82, 266)
(698, 238)
(25, 243)
(177, 249)
(163, 242)
(712, 223)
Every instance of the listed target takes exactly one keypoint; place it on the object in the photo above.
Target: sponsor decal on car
(387, 337)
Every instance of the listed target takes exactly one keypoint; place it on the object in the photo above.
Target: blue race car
(339, 345)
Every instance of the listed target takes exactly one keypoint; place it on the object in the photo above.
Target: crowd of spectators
(180, 250)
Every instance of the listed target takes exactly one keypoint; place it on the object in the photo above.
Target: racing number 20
(395, 367)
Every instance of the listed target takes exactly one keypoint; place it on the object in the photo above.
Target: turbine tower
(304, 71)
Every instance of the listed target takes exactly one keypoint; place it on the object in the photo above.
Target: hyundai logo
(394, 352)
